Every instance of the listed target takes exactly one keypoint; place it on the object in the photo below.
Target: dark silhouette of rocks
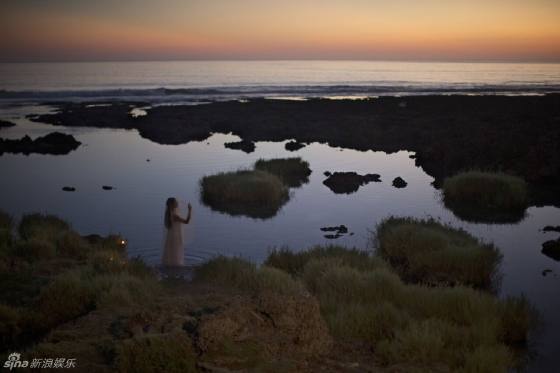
(292, 146)
(243, 145)
(552, 249)
(399, 182)
(107, 187)
(349, 182)
(54, 143)
(5, 123)
(518, 135)
(339, 231)
(550, 228)
(68, 189)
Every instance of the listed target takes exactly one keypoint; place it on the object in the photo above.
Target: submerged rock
(5, 123)
(68, 189)
(550, 228)
(552, 249)
(399, 182)
(349, 182)
(292, 146)
(107, 187)
(243, 145)
(340, 231)
(54, 143)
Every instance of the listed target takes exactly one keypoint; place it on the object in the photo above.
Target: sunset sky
(69, 30)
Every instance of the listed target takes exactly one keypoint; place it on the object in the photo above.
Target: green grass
(294, 172)
(486, 196)
(426, 251)
(294, 262)
(240, 274)
(42, 226)
(253, 193)
(430, 327)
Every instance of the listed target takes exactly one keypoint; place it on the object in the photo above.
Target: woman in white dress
(173, 250)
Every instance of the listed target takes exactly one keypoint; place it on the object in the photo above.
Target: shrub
(35, 249)
(243, 275)
(68, 296)
(70, 244)
(294, 172)
(257, 194)
(5, 231)
(156, 353)
(41, 226)
(486, 196)
(294, 263)
(9, 326)
(425, 251)
(434, 328)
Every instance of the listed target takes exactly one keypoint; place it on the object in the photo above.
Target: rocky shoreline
(517, 135)
(55, 143)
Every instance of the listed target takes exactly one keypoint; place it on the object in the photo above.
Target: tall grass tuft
(294, 172)
(256, 194)
(436, 328)
(42, 226)
(243, 275)
(426, 251)
(486, 196)
(294, 262)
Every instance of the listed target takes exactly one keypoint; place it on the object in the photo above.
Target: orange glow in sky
(513, 30)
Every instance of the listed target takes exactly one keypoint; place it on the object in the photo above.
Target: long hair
(169, 205)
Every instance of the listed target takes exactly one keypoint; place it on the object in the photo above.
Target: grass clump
(294, 263)
(42, 226)
(243, 275)
(254, 193)
(486, 196)
(426, 251)
(436, 328)
(294, 172)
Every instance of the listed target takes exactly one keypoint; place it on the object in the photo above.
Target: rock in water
(68, 189)
(399, 182)
(552, 249)
(107, 187)
(54, 143)
(243, 145)
(292, 146)
(349, 182)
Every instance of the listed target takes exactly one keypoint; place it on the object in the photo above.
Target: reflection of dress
(173, 250)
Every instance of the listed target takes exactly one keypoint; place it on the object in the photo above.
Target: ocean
(201, 81)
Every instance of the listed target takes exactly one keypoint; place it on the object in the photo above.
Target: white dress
(173, 249)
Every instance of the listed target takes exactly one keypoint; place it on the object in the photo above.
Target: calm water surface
(135, 208)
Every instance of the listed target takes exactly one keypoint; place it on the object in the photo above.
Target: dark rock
(68, 189)
(243, 145)
(54, 143)
(107, 187)
(550, 228)
(327, 173)
(399, 182)
(332, 236)
(546, 272)
(147, 160)
(339, 229)
(5, 123)
(349, 182)
(294, 145)
(552, 249)
(435, 127)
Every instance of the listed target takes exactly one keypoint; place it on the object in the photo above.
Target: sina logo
(15, 362)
